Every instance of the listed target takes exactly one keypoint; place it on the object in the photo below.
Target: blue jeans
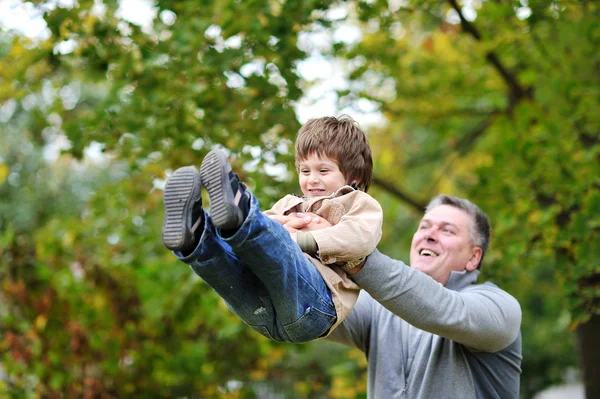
(264, 278)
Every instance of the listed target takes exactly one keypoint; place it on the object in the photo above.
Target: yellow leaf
(17, 49)
(277, 354)
(534, 217)
(98, 301)
(207, 368)
(258, 375)
(40, 322)
(68, 239)
(3, 172)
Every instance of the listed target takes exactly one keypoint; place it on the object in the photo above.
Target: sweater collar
(460, 280)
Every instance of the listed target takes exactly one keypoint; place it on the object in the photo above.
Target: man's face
(442, 243)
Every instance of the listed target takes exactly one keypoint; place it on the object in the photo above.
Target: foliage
(503, 111)
(93, 305)
(498, 108)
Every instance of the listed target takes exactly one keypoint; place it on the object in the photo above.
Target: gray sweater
(426, 340)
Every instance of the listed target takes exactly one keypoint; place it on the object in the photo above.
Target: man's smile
(427, 252)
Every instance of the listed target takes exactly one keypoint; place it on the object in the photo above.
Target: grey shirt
(426, 340)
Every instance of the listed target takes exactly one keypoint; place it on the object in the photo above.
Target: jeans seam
(328, 303)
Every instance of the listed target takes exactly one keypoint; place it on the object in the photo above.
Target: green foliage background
(498, 108)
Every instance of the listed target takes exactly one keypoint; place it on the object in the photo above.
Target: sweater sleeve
(355, 236)
(481, 316)
(355, 330)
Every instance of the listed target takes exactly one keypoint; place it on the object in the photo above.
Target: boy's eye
(324, 170)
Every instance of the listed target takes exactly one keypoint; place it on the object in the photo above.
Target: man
(429, 331)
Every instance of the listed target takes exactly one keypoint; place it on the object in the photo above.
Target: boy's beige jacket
(357, 219)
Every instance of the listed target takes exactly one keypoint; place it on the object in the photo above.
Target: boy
(286, 290)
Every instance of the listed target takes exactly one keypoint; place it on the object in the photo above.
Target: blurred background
(493, 100)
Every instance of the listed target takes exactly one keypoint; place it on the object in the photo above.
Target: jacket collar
(340, 191)
(460, 280)
(297, 200)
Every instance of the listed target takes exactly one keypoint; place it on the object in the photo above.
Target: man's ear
(476, 253)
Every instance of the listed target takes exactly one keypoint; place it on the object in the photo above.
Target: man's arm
(482, 317)
(356, 328)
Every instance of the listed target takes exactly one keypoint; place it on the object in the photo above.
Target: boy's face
(319, 177)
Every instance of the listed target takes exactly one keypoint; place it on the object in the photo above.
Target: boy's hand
(301, 222)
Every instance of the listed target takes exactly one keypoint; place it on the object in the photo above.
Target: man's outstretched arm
(482, 316)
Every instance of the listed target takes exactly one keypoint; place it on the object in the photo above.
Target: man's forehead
(446, 214)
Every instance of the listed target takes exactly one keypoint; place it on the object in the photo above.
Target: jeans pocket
(313, 324)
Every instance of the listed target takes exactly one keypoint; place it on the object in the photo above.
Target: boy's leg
(188, 231)
(245, 295)
(301, 300)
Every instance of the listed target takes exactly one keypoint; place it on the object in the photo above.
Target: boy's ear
(355, 185)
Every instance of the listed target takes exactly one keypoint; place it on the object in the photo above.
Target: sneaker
(229, 203)
(183, 209)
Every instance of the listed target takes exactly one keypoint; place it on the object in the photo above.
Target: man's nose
(431, 234)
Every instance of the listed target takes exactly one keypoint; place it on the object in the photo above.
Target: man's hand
(298, 221)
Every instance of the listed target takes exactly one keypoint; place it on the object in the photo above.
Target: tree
(93, 305)
(497, 103)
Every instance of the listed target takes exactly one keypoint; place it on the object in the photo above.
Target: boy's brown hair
(342, 140)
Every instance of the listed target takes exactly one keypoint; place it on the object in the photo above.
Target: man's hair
(343, 141)
(479, 229)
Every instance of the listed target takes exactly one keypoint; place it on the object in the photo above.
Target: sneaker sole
(181, 191)
(214, 174)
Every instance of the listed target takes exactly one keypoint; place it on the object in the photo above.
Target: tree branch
(516, 94)
(396, 192)
(516, 91)
(469, 140)
(463, 146)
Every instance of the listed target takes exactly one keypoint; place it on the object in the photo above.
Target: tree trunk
(588, 335)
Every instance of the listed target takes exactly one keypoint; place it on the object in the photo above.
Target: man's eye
(422, 227)
(448, 231)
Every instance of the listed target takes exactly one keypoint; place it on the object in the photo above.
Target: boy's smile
(319, 177)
